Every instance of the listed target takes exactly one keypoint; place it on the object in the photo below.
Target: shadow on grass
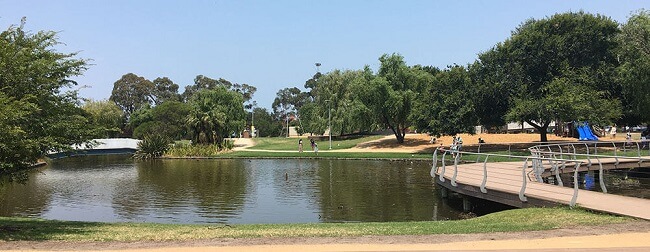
(24, 229)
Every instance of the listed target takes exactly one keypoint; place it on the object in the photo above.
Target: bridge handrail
(533, 159)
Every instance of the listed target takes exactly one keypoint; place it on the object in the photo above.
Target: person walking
(312, 143)
(612, 131)
(300, 145)
(316, 148)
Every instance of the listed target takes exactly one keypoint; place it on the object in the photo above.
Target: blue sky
(274, 44)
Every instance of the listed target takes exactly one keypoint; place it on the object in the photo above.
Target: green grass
(325, 154)
(530, 219)
(286, 144)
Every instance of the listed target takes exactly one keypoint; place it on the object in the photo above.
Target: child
(316, 148)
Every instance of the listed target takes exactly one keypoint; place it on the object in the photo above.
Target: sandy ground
(414, 143)
(630, 236)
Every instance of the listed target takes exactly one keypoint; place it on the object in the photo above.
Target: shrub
(152, 146)
(189, 150)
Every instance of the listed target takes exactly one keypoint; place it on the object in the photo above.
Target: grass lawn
(286, 144)
(325, 154)
(528, 219)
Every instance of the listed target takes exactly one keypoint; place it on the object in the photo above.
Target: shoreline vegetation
(517, 220)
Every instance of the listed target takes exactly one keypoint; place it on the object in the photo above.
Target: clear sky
(275, 44)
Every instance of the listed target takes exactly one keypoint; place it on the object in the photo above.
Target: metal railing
(527, 167)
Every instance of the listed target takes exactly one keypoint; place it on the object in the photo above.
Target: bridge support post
(467, 204)
(444, 192)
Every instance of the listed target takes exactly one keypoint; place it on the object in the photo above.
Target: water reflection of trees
(211, 189)
(30, 198)
(375, 191)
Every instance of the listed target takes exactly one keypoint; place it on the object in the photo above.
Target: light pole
(329, 121)
(253, 123)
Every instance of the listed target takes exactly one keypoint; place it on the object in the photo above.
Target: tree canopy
(568, 57)
(635, 67)
(39, 109)
(215, 114)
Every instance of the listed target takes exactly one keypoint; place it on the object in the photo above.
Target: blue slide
(585, 133)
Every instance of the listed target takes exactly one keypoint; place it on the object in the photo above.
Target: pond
(119, 189)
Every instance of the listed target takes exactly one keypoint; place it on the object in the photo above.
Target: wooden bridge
(519, 181)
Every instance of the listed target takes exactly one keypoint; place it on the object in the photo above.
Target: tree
(203, 82)
(575, 48)
(446, 107)
(132, 92)
(106, 117)
(288, 101)
(37, 115)
(333, 91)
(165, 90)
(265, 123)
(390, 94)
(167, 119)
(215, 114)
(635, 67)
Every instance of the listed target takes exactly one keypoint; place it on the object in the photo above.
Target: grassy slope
(506, 221)
(291, 144)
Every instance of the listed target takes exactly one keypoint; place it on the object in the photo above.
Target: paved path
(507, 177)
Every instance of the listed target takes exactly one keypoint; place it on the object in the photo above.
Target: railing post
(600, 176)
(435, 163)
(441, 177)
(574, 152)
(483, 190)
(453, 179)
(557, 174)
(615, 154)
(588, 157)
(638, 148)
(575, 186)
(523, 185)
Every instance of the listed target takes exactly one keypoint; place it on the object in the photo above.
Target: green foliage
(390, 94)
(152, 146)
(132, 92)
(634, 71)
(107, 117)
(570, 54)
(446, 107)
(215, 114)
(165, 90)
(189, 150)
(168, 119)
(37, 115)
(205, 83)
(265, 124)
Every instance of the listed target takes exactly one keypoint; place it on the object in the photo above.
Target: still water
(119, 189)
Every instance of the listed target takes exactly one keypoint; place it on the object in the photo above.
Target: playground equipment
(585, 133)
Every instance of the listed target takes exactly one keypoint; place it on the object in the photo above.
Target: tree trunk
(542, 130)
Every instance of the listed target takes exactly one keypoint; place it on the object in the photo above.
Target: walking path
(507, 177)
(635, 241)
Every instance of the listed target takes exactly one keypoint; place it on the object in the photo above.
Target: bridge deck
(506, 178)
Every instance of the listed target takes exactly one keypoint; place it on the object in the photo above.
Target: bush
(189, 150)
(228, 144)
(152, 146)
